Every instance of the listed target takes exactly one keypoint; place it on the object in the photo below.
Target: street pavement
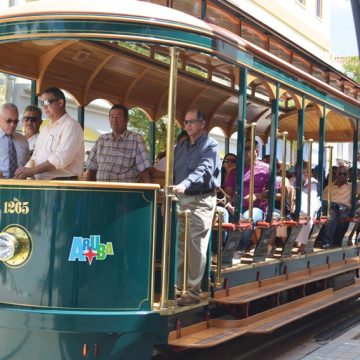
(344, 347)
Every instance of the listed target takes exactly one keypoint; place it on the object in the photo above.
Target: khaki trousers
(202, 209)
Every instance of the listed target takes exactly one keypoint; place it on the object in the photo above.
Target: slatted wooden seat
(273, 319)
(216, 331)
(207, 334)
(244, 294)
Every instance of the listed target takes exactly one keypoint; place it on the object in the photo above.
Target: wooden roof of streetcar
(79, 48)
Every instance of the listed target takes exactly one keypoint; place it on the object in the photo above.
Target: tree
(139, 122)
(352, 67)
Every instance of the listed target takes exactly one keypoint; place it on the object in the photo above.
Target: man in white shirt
(14, 149)
(31, 122)
(59, 152)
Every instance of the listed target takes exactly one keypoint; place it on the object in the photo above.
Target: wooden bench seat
(273, 319)
(216, 331)
(243, 294)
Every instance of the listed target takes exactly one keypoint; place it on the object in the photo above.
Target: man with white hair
(14, 149)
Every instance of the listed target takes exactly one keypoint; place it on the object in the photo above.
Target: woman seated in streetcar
(281, 231)
(226, 195)
(315, 203)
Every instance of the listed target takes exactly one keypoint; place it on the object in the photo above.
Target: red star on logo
(90, 255)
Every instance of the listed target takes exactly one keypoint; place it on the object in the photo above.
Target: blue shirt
(197, 166)
(22, 151)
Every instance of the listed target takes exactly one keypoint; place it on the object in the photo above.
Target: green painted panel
(34, 334)
(60, 221)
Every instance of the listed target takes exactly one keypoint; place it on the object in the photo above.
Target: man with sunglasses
(196, 176)
(31, 122)
(59, 152)
(14, 149)
(335, 229)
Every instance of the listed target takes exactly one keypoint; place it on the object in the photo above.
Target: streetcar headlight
(8, 246)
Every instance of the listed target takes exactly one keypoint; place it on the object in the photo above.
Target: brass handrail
(330, 179)
(168, 189)
(186, 250)
(220, 213)
(252, 164)
(284, 136)
(310, 142)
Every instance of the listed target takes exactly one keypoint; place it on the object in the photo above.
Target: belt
(66, 178)
(193, 193)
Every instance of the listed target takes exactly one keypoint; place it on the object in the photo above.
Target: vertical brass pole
(220, 212)
(168, 192)
(310, 142)
(291, 154)
(186, 251)
(283, 176)
(330, 180)
(252, 163)
(153, 254)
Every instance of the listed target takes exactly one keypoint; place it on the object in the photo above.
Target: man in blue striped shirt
(196, 176)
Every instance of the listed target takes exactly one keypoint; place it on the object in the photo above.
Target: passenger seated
(281, 231)
(335, 229)
(303, 236)
(261, 179)
(225, 197)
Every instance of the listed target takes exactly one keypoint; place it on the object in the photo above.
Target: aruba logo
(83, 249)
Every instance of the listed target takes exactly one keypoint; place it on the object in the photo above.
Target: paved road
(331, 334)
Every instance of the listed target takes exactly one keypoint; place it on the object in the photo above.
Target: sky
(342, 36)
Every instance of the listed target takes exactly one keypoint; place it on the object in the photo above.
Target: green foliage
(139, 122)
(352, 68)
(143, 50)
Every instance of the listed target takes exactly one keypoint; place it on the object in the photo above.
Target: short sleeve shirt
(121, 159)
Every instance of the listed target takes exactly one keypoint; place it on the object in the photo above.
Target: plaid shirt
(121, 160)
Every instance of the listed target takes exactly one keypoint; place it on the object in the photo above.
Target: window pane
(192, 7)
(319, 8)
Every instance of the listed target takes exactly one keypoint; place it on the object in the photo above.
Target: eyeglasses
(48, 102)
(343, 173)
(191, 122)
(30, 118)
(230, 161)
(14, 121)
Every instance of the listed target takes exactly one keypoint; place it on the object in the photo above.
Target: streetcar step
(246, 293)
(215, 331)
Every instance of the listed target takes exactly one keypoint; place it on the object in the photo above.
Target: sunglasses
(248, 148)
(9, 121)
(191, 122)
(230, 161)
(30, 118)
(343, 173)
(48, 102)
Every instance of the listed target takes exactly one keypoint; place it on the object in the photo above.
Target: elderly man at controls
(31, 122)
(59, 152)
(14, 149)
(120, 155)
(197, 170)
